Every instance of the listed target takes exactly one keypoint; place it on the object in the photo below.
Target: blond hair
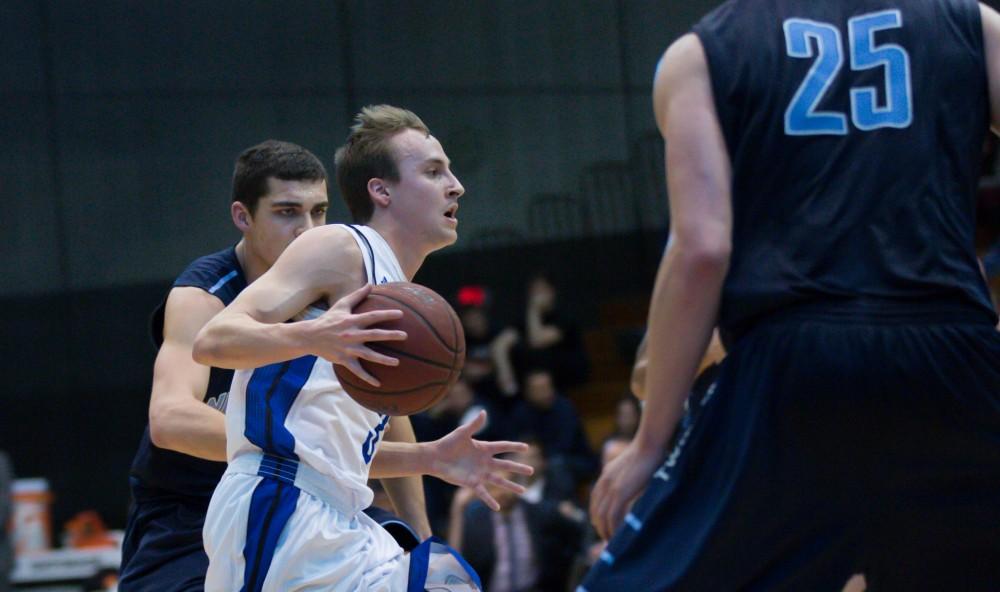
(367, 154)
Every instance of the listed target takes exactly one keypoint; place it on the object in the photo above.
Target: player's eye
(288, 212)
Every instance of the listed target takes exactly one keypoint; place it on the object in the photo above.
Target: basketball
(430, 358)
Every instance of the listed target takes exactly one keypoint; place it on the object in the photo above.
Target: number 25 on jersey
(822, 42)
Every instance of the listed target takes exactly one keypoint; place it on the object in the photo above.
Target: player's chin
(448, 237)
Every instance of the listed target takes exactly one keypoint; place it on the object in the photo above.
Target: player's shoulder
(218, 274)
(330, 240)
(321, 256)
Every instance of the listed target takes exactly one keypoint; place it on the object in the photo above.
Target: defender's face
(426, 196)
(287, 210)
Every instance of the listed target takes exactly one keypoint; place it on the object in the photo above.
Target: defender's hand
(621, 481)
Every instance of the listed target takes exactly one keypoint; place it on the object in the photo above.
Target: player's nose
(455, 189)
(306, 225)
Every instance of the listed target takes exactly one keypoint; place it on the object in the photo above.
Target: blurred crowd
(520, 371)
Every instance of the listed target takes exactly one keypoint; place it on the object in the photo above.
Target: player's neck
(409, 255)
(253, 266)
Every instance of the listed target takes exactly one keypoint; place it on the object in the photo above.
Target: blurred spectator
(6, 550)
(524, 547)
(626, 417)
(551, 419)
(544, 484)
(456, 408)
(551, 339)
(488, 366)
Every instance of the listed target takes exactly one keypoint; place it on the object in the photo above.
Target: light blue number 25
(802, 118)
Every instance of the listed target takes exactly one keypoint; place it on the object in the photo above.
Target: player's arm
(539, 335)
(991, 41)
(457, 459)
(689, 281)
(178, 419)
(406, 493)
(323, 264)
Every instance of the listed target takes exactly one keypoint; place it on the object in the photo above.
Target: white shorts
(280, 538)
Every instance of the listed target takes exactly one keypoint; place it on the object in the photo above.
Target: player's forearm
(407, 493)
(238, 341)
(401, 459)
(194, 429)
(685, 302)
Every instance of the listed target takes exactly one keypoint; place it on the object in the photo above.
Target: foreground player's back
(854, 129)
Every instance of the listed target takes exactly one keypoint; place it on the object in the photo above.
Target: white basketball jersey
(297, 412)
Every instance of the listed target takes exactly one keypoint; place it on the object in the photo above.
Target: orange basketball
(430, 358)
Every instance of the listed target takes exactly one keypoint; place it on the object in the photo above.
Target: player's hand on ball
(621, 481)
(461, 460)
(340, 336)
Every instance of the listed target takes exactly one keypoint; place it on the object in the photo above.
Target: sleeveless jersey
(156, 470)
(854, 129)
(298, 412)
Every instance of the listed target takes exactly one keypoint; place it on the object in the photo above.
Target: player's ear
(378, 190)
(241, 216)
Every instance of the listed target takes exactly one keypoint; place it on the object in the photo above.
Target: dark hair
(367, 154)
(272, 158)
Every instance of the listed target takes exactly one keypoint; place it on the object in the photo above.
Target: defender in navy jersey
(822, 160)
(279, 191)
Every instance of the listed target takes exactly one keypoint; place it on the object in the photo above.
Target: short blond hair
(367, 154)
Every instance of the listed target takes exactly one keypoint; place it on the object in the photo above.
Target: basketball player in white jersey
(287, 513)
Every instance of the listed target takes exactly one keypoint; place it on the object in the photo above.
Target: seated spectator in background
(524, 547)
(626, 417)
(456, 408)
(543, 484)
(551, 338)
(488, 366)
(551, 419)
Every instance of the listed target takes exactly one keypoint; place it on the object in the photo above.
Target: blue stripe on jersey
(271, 506)
(270, 394)
(222, 281)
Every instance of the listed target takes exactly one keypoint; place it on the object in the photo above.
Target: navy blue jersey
(156, 470)
(854, 129)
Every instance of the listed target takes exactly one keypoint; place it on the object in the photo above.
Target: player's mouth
(450, 214)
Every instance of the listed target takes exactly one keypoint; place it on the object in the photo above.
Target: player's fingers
(616, 515)
(484, 495)
(475, 425)
(381, 335)
(507, 484)
(355, 367)
(597, 500)
(503, 447)
(374, 317)
(502, 464)
(597, 520)
(373, 356)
